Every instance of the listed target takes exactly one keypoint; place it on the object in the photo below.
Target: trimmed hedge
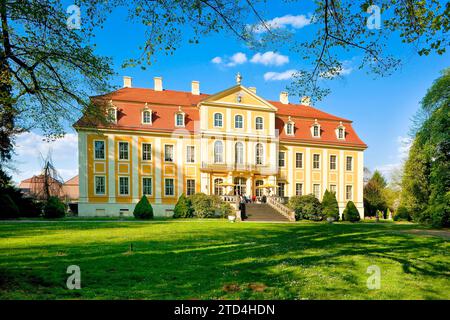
(143, 209)
(54, 208)
(306, 207)
(351, 213)
(330, 205)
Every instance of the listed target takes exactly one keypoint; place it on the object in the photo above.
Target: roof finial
(238, 78)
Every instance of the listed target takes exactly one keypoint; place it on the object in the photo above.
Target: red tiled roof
(164, 104)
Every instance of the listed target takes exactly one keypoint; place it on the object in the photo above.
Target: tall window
(333, 162)
(281, 187)
(299, 160)
(341, 133)
(333, 188)
(316, 131)
(259, 154)
(259, 191)
(218, 120)
(190, 154)
(316, 190)
(147, 117)
(146, 152)
(239, 153)
(349, 164)
(147, 186)
(218, 189)
(218, 152)
(169, 189)
(123, 150)
(316, 161)
(281, 159)
(180, 120)
(299, 189)
(124, 186)
(290, 129)
(168, 153)
(99, 152)
(349, 192)
(259, 123)
(238, 122)
(112, 115)
(190, 187)
(100, 185)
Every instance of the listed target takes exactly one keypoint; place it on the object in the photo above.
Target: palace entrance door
(240, 186)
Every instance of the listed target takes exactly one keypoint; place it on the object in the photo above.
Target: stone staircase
(263, 212)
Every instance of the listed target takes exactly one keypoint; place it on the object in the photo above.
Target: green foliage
(183, 208)
(203, 205)
(330, 205)
(143, 209)
(374, 198)
(54, 208)
(351, 213)
(402, 214)
(306, 207)
(225, 209)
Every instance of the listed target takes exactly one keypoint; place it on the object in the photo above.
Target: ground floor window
(281, 187)
(240, 186)
(299, 189)
(147, 186)
(333, 189)
(349, 192)
(218, 189)
(316, 190)
(124, 186)
(100, 188)
(259, 191)
(190, 187)
(169, 187)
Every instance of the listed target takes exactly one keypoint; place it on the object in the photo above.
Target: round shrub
(203, 205)
(143, 209)
(306, 207)
(330, 205)
(54, 208)
(351, 213)
(402, 214)
(183, 208)
(8, 209)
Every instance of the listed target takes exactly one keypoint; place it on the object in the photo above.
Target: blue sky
(381, 108)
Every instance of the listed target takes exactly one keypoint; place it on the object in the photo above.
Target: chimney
(127, 82)
(158, 83)
(305, 100)
(284, 97)
(252, 89)
(195, 88)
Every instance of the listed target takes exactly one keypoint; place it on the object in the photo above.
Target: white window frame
(151, 186)
(292, 126)
(279, 189)
(262, 156)
(335, 162)
(336, 191)
(221, 120)
(236, 154)
(319, 191)
(296, 189)
(173, 153)
(242, 121)
(165, 187)
(256, 123)
(346, 163)
(313, 131)
(346, 192)
(108, 116)
(318, 168)
(142, 151)
(104, 149)
(187, 186)
(188, 147)
(216, 159)
(183, 115)
(95, 185)
(282, 158)
(296, 160)
(338, 129)
(128, 186)
(119, 152)
(143, 117)
(217, 187)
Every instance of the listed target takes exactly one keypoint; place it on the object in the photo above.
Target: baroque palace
(162, 143)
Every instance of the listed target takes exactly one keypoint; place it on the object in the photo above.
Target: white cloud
(277, 76)
(270, 58)
(296, 22)
(343, 71)
(237, 58)
(217, 60)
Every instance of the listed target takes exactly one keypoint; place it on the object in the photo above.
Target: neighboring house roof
(165, 104)
(34, 186)
(70, 188)
(72, 182)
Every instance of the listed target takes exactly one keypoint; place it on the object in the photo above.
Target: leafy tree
(351, 213)
(183, 208)
(306, 207)
(8, 209)
(143, 209)
(203, 205)
(54, 208)
(402, 214)
(379, 179)
(330, 205)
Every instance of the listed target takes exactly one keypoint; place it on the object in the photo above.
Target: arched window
(147, 117)
(259, 191)
(259, 123)
(179, 120)
(316, 131)
(259, 155)
(340, 131)
(290, 129)
(218, 152)
(238, 122)
(112, 115)
(218, 120)
(239, 153)
(218, 189)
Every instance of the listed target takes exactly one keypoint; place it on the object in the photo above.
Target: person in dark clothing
(264, 199)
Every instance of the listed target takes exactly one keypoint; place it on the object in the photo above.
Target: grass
(219, 260)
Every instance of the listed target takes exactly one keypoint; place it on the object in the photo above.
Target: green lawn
(220, 260)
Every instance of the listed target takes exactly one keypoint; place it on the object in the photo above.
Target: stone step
(262, 212)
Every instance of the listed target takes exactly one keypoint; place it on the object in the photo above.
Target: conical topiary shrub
(183, 208)
(143, 209)
(351, 213)
(330, 205)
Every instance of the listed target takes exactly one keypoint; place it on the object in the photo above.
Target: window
(259, 123)
(168, 153)
(349, 164)
(281, 186)
(218, 120)
(299, 189)
(259, 191)
(190, 187)
(239, 153)
(316, 161)
(218, 152)
(349, 192)
(147, 186)
(124, 186)
(123, 150)
(238, 122)
(112, 115)
(316, 131)
(333, 188)
(168, 187)
(99, 152)
(179, 120)
(259, 154)
(333, 162)
(316, 190)
(299, 160)
(190, 154)
(281, 159)
(147, 117)
(341, 133)
(218, 189)
(100, 188)
(290, 129)
(146, 152)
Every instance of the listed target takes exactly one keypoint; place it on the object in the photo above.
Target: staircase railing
(276, 203)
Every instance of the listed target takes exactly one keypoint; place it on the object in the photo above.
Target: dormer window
(340, 131)
(315, 129)
(111, 114)
(179, 118)
(290, 127)
(147, 115)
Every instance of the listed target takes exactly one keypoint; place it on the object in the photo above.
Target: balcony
(239, 167)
